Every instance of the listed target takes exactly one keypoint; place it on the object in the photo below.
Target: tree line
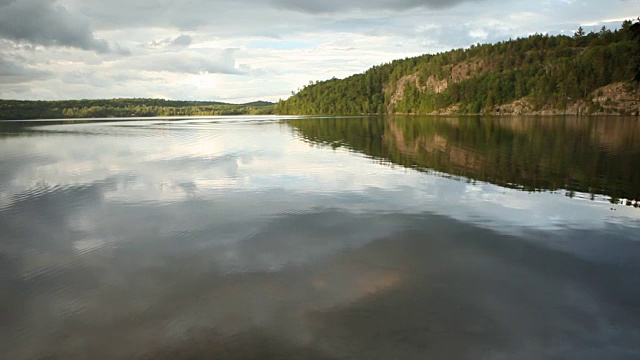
(19, 109)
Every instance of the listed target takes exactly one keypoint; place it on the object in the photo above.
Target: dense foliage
(549, 71)
(17, 109)
(584, 156)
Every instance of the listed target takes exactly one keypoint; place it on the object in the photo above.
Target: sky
(246, 50)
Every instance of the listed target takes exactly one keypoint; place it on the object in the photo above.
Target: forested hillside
(18, 109)
(589, 73)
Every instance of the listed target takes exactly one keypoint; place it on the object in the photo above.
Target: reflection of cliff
(595, 155)
(614, 133)
(434, 144)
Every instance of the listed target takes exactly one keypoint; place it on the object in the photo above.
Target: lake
(320, 238)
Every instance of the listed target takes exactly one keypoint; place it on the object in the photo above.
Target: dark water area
(320, 238)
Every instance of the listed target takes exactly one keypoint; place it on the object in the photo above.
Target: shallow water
(268, 237)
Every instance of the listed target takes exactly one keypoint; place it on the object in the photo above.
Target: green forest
(548, 72)
(19, 109)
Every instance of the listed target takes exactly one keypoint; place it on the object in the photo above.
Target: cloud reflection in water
(238, 240)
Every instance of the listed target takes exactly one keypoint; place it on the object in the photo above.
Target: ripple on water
(30, 195)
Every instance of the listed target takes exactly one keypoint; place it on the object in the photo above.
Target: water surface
(328, 238)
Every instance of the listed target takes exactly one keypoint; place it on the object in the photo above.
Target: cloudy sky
(245, 50)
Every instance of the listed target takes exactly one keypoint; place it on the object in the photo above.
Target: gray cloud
(119, 50)
(189, 62)
(181, 41)
(42, 22)
(86, 77)
(243, 15)
(329, 6)
(13, 72)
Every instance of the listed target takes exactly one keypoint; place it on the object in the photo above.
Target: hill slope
(541, 74)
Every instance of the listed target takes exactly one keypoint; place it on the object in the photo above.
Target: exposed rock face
(524, 107)
(457, 73)
(618, 99)
(518, 107)
(614, 99)
(398, 90)
(437, 86)
(468, 69)
(451, 110)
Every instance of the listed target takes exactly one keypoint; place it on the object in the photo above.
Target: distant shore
(122, 108)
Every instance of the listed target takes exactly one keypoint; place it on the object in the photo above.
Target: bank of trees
(550, 71)
(17, 109)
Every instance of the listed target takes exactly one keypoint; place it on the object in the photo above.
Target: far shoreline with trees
(69, 109)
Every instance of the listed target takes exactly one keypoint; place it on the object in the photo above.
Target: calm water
(327, 238)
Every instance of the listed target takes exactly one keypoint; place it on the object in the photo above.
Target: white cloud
(213, 61)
